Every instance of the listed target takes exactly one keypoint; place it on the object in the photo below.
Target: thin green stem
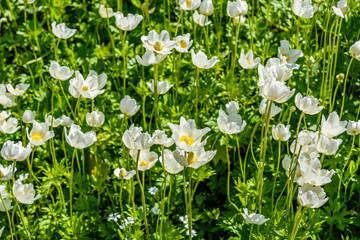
(343, 99)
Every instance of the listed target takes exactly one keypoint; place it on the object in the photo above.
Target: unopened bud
(292, 109)
(340, 77)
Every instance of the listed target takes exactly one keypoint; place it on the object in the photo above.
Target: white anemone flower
(66, 121)
(24, 193)
(9, 126)
(89, 88)
(273, 69)
(95, 119)
(159, 43)
(264, 107)
(186, 136)
(106, 12)
(309, 105)
(134, 139)
(170, 164)
(128, 106)
(316, 176)
(281, 132)
(189, 4)
(230, 124)
(4, 115)
(311, 196)
(128, 23)
(353, 128)
(62, 31)
(52, 121)
(150, 58)
(77, 139)
(194, 159)
(19, 89)
(146, 159)
(161, 138)
(184, 43)
(237, 8)
(247, 60)
(39, 134)
(12, 151)
(276, 91)
(6, 172)
(332, 126)
(200, 19)
(62, 73)
(303, 8)
(200, 60)
(28, 116)
(232, 107)
(289, 56)
(162, 87)
(254, 218)
(206, 7)
(355, 50)
(6, 99)
(123, 174)
(341, 8)
(327, 146)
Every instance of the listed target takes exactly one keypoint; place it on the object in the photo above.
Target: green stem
(8, 217)
(197, 94)
(343, 99)
(124, 61)
(343, 169)
(189, 205)
(71, 190)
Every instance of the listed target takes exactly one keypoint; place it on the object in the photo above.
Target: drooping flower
(247, 60)
(24, 193)
(89, 88)
(150, 58)
(162, 86)
(254, 218)
(200, 60)
(19, 89)
(230, 124)
(61, 31)
(311, 196)
(77, 139)
(281, 133)
(189, 4)
(128, 23)
(39, 134)
(106, 12)
(28, 116)
(303, 8)
(200, 19)
(237, 8)
(289, 56)
(128, 106)
(332, 126)
(264, 107)
(123, 174)
(184, 43)
(159, 43)
(95, 119)
(206, 7)
(341, 8)
(9, 126)
(276, 91)
(309, 105)
(11, 151)
(60, 72)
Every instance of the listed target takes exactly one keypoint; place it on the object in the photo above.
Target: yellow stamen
(122, 172)
(16, 89)
(2, 175)
(192, 158)
(188, 3)
(144, 163)
(37, 137)
(158, 46)
(85, 88)
(187, 139)
(298, 175)
(287, 57)
(249, 62)
(182, 44)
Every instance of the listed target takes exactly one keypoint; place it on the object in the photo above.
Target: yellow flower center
(85, 88)
(249, 63)
(16, 89)
(1, 116)
(287, 57)
(2, 175)
(122, 172)
(158, 46)
(191, 158)
(37, 137)
(187, 139)
(188, 3)
(144, 163)
(298, 175)
(182, 44)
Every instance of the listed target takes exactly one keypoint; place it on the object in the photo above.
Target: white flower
(200, 19)
(39, 134)
(128, 23)
(184, 43)
(281, 133)
(1, 230)
(61, 31)
(60, 72)
(170, 163)
(273, 69)
(147, 159)
(161, 138)
(247, 61)
(53, 122)
(4, 115)
(230, 124)
(6, 172)
(312, 197)
(328, 146)
(193, 232)
(237, 8)
(6, 99)
(77, 139)
(66, 121)
(89, 88)
(122, 173)
(24, 193)
(150, 58)
(276, 91)
(162, 86)
(11, 151)
(128, 106)
(134, 139)
(308, 105)
(303, 8)
(159, 43)
(155, 210)
(153, 190)
(18, 90)
(114, 217)
(253, 218)
(189, 4)
(194, 159)
(28, 116)
(312, 173)
(332, 126)
(286, 162)
(240, 20)
(355, 50)
(126, 221)
(232, 107)
(207, 7)
(9, 126)
(289, 56)
(95, 119)
(200, 60)
(7, 202)
(353, 128)
(264, 107)
(105, 12)
(341, 8)
(186, 136)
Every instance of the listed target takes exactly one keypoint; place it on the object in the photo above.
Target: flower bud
(28, 116)
(95, 119)
(281, 133)
(340, 77)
